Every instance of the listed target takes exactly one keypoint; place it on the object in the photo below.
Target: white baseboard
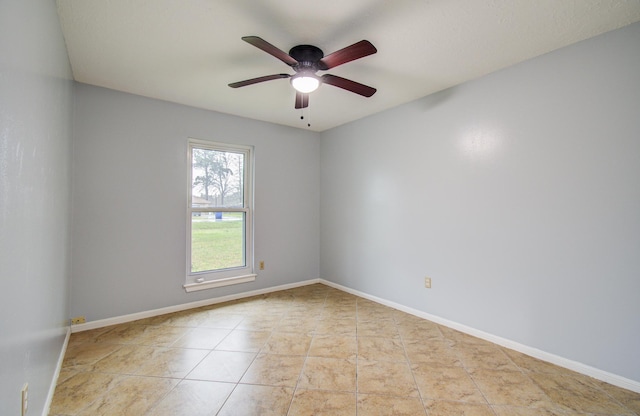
(596, 373)
(191, 305)
(56, 374)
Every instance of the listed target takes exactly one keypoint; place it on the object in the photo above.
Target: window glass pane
(217, 179)
(217, 241)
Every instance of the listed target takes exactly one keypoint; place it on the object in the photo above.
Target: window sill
(210, 284)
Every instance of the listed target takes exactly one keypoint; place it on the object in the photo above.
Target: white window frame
(217, 278)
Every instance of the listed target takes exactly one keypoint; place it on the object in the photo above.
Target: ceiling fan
(306, 60)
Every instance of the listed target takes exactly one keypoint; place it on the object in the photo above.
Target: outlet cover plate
(78, 320)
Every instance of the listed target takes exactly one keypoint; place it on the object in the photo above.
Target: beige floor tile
(259, 322)
(336, 374)
(274, 370)
(444, 408)
(530, 364)
(227, 366)
(322, 403)
(279, 310)
(244, 341)
(78, 391)
(583, 379)
(122, 334)
(411, 331)
(339, 309)
(403, 317)
(446, 383)
(385, 378)
(84, 356)
(287, 343)
(155, 320)
(131, 397)
(372, 405)
(304, 311)
(236, 307)
(370, 310)
(337, 352)
(364, 303)
(629, 399)
(333, 347)
(338, 327)
(528, 411)
(575, 394)
(296, 323)
(193, 398)
(88, 336)
(371, 307)
(327, 315)
(511, 388)
(456, 336)
(126, 360)
(374, 328)
(408, 320)
(204, 338)
(215, 319)
(188, 318)
(160, 336)
(381, 349)
(65, 374)
(483, 356)
(250, 400)
(431, 351)
(340, 300)
(171, 362)
(340, 303)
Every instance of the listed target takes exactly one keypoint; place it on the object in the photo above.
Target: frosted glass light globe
(305, 84)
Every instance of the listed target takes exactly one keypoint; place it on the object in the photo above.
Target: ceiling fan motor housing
(307, 57)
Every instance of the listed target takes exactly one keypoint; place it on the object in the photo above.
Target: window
(219, 219)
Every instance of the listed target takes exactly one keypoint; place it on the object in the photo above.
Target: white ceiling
(187, 51)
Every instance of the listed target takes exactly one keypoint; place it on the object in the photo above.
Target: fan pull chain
(308, 115)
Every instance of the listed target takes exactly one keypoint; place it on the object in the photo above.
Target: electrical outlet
(427, 282)
(262, 265)
(78, 320)
(25, 399)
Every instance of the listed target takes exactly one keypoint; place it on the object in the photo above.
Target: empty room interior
(449, 225)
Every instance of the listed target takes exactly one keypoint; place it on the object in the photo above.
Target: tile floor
(313, 350)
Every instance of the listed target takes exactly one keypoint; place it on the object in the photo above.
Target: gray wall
(518, 193)
(35, 183)
(129, 201)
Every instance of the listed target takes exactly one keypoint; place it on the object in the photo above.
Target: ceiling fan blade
(302, 100)
(270, 49)
(350, 53)
(348, 85)
(256, 80)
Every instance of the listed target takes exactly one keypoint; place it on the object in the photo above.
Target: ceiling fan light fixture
(305, 82)
(306, 60)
